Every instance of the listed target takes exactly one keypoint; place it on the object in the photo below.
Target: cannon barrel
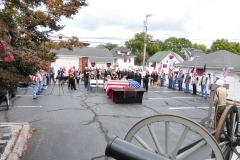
(123, 150)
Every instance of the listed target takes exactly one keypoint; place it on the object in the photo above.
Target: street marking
(26, 95)
(171, 98)
(153, 91)
(183, 97)
(158, 98)
(26, 107)
(188, 107)
(171, 91)
(192, 107)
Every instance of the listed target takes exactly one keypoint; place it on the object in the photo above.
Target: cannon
(175, 137)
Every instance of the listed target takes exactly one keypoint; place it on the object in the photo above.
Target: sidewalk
(13, 137)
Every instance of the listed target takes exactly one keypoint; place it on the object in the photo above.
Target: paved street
(77, 125)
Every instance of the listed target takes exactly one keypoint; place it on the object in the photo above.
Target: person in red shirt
(69, 71)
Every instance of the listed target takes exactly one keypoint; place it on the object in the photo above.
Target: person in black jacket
(130, 74)
(138, 77)
(147, 80)
(86, 76)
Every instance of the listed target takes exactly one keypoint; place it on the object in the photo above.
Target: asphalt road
(77, 125)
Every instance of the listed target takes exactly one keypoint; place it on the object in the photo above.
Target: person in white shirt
(143, 76)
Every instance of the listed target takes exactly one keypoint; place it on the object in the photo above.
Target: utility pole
(145, 38)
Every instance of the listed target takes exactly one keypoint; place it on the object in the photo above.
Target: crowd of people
(75, 76)
(143, 77)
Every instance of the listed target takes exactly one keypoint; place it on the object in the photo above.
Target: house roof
(159, 56)
(218, 59)
(85, 52)
(115, 50)
(100, 59)
(198, 52)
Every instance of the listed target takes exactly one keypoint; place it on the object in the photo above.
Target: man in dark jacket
(86, 76)
(138, 77)
(130, 74)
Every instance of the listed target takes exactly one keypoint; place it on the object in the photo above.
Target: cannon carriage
(174, 137)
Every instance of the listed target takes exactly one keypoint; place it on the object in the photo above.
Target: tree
(110, 46)
(223, 44)
(200, 46)
(24, 31)
(176, 44)
(139, 58)
(163, 46)
(136, 44)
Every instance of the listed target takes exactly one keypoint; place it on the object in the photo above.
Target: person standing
(143, 76)
(174, 80)
(147, 80)
(187, 82)
(155, 78)
(151, 78)
(138, 77)
(220, 98)
(52, 74)
(162, 78)
(203, 83)
(180, 80)
(39, 82)
(72, 80)
(86, 76)
(130, 75)
(194, 85)
(170, 79)
(35, 84)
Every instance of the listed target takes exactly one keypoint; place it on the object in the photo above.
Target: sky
(116, 21)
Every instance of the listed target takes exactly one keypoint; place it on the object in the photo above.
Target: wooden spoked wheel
(226, 132)
(174, 137)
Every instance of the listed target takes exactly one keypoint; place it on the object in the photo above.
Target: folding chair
(100, 83)
(93, 84)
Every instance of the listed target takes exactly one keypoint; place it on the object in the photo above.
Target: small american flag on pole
(225, 72)
(159, 68)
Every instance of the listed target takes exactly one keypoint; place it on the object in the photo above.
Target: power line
(191, 38)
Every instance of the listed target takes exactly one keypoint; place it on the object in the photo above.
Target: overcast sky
(115, 21)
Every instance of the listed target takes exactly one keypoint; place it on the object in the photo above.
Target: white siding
(66, 62)
(237, 88)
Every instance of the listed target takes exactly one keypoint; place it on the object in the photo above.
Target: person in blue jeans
(203, 83)
(187, 81)
(180, 80)
(174, 80)
(162, 78)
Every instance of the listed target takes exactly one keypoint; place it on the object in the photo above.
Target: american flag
(159, 68)
(34, 78)
(225, 72)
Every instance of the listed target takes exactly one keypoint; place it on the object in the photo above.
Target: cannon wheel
(226, 132)
(188, 124)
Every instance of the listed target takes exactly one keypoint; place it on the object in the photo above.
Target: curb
(20, 142)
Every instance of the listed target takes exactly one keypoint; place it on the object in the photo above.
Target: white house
(166, 58)
(83, 57)
(215, 63)
(123, 58)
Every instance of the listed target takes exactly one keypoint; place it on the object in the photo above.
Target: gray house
(215, 63)
(83, 57)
